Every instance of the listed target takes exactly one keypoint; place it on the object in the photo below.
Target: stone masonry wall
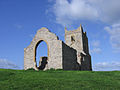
(54, 50)
(69, 58)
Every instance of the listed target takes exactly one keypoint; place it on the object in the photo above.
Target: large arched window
(41, 55)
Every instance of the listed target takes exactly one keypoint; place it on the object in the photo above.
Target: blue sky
(20, 20)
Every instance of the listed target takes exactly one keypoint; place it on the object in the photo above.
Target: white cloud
(104, 66)
(95, 43)
(108, 11)
(67, 12)
(95, 50)
(96, 47)
(114, 32)
(7, 64)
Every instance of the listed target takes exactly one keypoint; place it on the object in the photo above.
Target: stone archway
(54, 50)
(42, 60)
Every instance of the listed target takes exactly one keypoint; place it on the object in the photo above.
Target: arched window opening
(72, 38)
(41, 55)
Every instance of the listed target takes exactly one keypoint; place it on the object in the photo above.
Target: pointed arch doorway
(41, 55)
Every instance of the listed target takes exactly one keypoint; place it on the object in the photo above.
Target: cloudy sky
(20, 20)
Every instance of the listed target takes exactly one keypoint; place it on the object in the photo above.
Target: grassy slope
(60, 80)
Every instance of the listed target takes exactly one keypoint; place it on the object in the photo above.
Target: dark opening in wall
(72, 38)
(41, 55)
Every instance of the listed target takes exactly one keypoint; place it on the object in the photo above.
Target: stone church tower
(73, 54)
(78, 40)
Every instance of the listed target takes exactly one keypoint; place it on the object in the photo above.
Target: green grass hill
(59, 80)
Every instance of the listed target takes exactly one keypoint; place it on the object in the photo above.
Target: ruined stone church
(71, 55)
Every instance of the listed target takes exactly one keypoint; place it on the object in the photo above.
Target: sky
(20, 20)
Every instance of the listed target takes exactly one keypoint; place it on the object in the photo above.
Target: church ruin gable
(71, 55)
